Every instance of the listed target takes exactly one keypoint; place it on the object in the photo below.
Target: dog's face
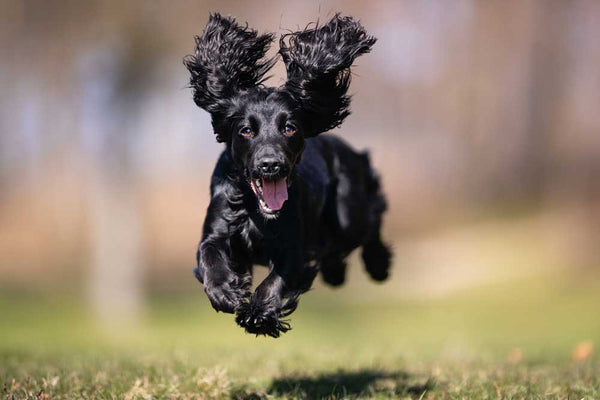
(265, 128)
(266, 140)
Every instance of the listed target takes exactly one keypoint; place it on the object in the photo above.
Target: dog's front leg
(225, 288)
(226, 280)
(277, 296)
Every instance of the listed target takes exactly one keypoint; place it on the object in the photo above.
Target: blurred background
(482, 117)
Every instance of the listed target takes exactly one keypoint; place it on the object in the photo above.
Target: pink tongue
(275, 193)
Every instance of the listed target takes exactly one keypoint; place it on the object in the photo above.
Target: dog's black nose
(269, 166)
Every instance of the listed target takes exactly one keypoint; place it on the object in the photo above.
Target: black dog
(281, 195)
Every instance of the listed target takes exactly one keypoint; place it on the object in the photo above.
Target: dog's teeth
(258, 185)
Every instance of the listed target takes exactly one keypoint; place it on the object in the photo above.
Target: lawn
(529, 338)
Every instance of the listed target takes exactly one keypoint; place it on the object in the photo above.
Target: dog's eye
(247, 132)
(289, 130)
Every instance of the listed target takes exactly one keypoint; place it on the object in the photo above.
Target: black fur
(228, 58)
(334, 201)
(318, 65)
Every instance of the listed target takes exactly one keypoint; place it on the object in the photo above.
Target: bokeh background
(482, 117)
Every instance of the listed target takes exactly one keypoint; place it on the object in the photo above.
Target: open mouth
(271, 194)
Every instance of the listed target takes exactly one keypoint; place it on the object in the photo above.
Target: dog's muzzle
(271, 193)
(270, 184)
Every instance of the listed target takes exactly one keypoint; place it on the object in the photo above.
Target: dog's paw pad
(227, 296)
(259, 321)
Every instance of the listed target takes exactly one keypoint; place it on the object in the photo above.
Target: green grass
(513, 340)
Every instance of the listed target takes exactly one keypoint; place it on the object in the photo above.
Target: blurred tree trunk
(116, 254)
(115, 82)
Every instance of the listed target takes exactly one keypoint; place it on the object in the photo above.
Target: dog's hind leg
(375, 253)
(377, 257)
(333, 269)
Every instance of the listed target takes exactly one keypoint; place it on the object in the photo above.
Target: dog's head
(264, 128)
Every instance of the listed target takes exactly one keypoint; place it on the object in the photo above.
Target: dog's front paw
(228, 296)
(260, 319)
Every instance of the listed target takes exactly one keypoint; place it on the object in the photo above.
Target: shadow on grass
(343, 384)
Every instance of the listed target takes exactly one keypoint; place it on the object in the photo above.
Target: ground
(530, 338)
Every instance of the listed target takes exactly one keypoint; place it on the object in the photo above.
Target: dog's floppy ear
(318, 62)
(228, 58)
